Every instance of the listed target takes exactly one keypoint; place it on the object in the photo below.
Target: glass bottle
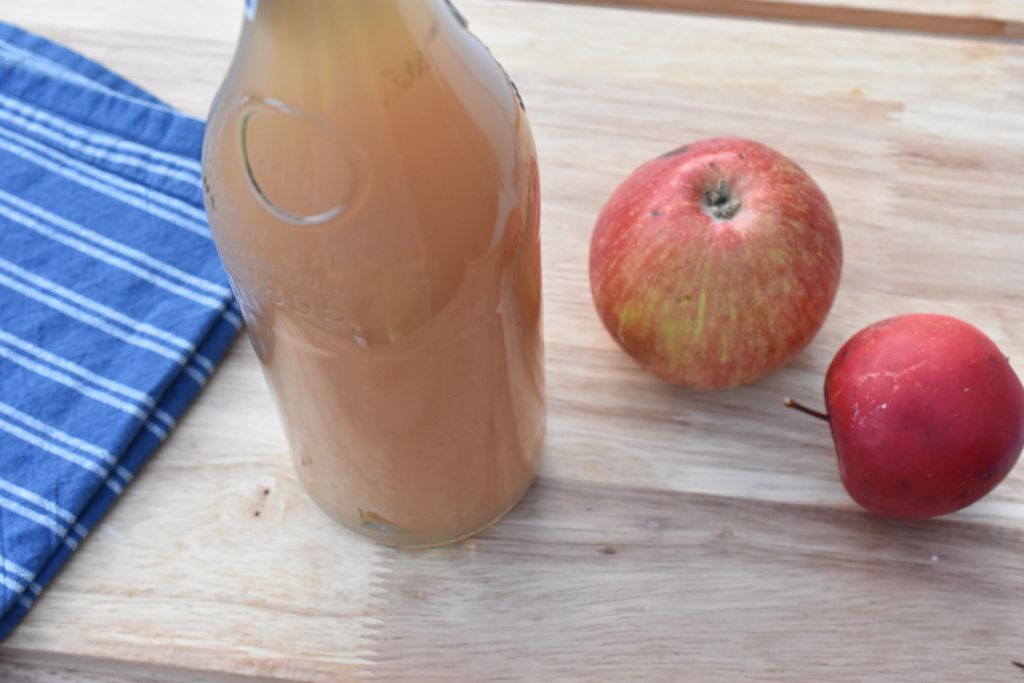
(372, 188)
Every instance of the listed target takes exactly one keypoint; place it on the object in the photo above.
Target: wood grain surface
(671, 535)
(980, 18)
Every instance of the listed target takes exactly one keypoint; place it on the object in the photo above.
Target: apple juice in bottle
(372, 188)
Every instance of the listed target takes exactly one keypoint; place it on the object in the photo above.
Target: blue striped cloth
(114, 308)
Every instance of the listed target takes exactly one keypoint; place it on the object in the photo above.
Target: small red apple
(926, 413)
(716, 263)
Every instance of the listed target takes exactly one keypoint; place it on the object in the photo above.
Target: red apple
(926, 413)
(716, 263)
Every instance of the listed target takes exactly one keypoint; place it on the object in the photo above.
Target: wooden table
(671, 535)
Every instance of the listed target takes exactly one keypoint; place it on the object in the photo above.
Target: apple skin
(702, 298)
(926, 413)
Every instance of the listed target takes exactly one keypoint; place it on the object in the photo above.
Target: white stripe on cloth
(12, 585)
(203, 362)
(104, 155)
(75, 369)
(181, 207)
(16, 569)
(71, 383)
(18, 589)
(164, 417)
(233, 319)
(98, 138)
(114, 261)
(159, 432)
(57, 435)
(116, 247)
(37, 62)
(92, 321)
(60, 452)
(37, 500)
(89, 392)
(197, 376)
(105, 186)
(32, 515)
(95, 306)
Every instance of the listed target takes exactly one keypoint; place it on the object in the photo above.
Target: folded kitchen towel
(114, 308)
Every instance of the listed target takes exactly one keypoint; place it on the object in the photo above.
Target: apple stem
(790, 403)
(720, 203)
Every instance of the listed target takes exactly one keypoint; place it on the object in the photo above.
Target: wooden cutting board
(671, 535)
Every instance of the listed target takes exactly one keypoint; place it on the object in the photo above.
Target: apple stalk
(790, 403)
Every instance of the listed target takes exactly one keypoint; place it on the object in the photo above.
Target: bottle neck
(321, 55)
(319, 22)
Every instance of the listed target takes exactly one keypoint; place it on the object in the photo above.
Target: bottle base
(398, 538)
